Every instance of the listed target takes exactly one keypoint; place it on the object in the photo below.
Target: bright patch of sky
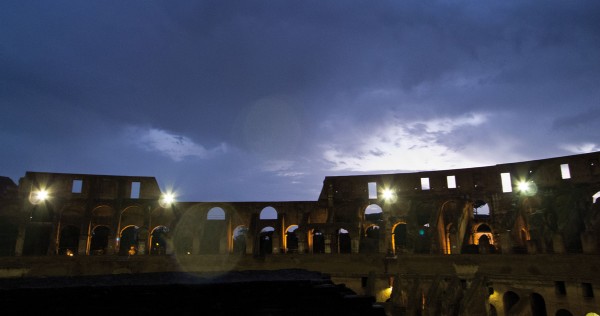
(417, 145)
(176, 147)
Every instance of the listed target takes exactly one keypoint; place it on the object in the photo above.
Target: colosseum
(519, 238)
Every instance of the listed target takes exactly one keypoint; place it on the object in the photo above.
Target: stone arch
(99, 240)
(132, 215)
(483, 230)
(373, 213)
(268, 213)
(450, 231)
(8, 238)
(158, 240)
(291, 239)
(68, 243)
(538, 305)
(481, 208)
(343, 241)
(128, 240)
(185, 232)
(213, 231)
(317, 241)
(399, 237)
(240, 235)
(265, 240)
(509, 299)
(215, 213)
(37, 240)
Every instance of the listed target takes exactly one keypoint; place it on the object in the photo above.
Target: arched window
(318, 241)
(268, 213)
(128, 241)
(266, 240)
(291, 240)
(158, 240)
(344, 241)
(373, 213)
(215, 214)
(399, 237)
(239, 239)
(99, 241)
(69, 241)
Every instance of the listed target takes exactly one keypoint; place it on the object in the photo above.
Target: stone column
(589, 243)
(82, 247)
(275, 243)
(558, 244)
(20, 240)
(355, 241)
(327, 238)
(506, 242)
(301, 243)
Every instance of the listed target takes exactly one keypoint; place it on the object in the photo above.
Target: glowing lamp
(38, 196)
(167, 199)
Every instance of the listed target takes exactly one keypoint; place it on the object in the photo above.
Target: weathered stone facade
(451, 242)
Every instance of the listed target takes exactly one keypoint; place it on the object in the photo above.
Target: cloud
(176, 147)
(581, 148)
(417, 145)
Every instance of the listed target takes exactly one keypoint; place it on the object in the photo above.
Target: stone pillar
(558, 244)
(196, 244)
(301, 245)
(20, 240)
(532, 247)
(589, 243)
(250, 243)
(327, 243)
(223, 245)
(355, 244)
(275, 243)
(82, 247)
(506, 242)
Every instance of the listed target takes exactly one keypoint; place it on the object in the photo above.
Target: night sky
(261, 100)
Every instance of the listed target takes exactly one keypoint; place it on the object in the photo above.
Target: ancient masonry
(511, 239)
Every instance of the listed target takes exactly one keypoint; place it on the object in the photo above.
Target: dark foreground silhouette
(282, 292)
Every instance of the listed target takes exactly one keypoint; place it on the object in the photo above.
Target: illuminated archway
(99, 240)
(128, 240)
(399, 237)
(291, 239)
(158, 240)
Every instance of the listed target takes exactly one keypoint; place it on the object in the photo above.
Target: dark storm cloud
(292, 91)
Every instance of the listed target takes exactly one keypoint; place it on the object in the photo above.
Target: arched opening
(213, 231)
(399, 235)
(509, 299)
(268, 213)
(538, 305)
(158, 240)
(37, 240)
(265, 245)
(8, 239)
(483, 230)
(291, 240)
(370, 242)
(215, 214)
(373, 213)
(344, 242)
(563, 312)
(99, 240)
(318, 241)
(128, 241)
(68, 243)
(481, 208)
(239, 239)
